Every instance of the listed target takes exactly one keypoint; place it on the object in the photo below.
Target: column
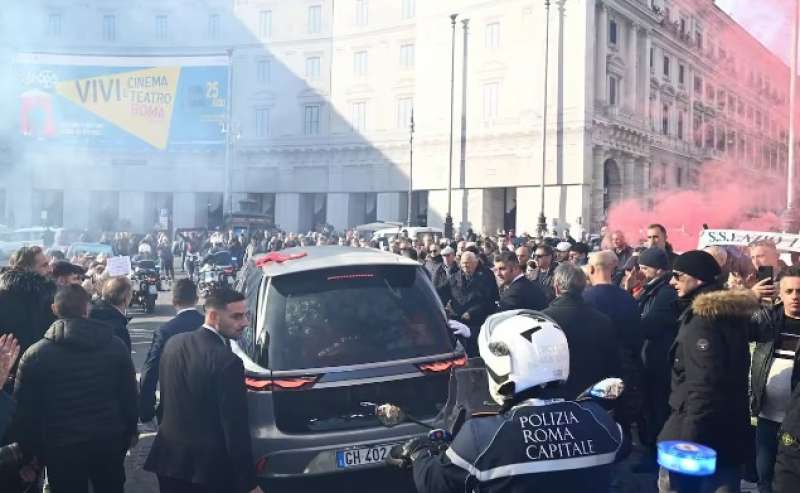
(528, 199)
(389, 207)
(287, 211)
(629, 184)
(630, 73)
(602, 53)
(598, 182)
(337, 211)
(645, 72)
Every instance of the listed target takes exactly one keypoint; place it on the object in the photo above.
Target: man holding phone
(766, 260)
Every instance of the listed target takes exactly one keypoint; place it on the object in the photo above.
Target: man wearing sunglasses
(545, 267)
(710, 370)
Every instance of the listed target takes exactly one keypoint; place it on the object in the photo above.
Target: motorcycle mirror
(609, 389)
(389, 415)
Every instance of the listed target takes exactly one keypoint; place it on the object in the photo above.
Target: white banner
(118, 266)
(785, 242)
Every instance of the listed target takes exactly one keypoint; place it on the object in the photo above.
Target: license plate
(362, 456)
(153, 289)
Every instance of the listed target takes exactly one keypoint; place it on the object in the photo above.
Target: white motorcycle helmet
(522, 349)
(144, 249)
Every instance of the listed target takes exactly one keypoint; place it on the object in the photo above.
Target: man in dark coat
(594, 355)
(787, 463)
(111, 307)
(445, 270)
(76, 399)
(187, 319)
(777, 337)
(470, 297)
(618, 305)
(203, 441)
(710, 363)
(434, 259)
(516, 292)
(545, 267)
(26, 297)
(659, 326)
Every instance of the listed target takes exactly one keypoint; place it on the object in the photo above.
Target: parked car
(332, 332)
(94, 249)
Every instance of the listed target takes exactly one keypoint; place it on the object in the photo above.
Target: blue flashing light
(687, 458)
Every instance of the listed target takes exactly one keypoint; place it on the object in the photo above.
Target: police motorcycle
(533, 441)
(217, 270)
(145, 283)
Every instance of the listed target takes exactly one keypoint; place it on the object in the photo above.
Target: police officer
(535, 443)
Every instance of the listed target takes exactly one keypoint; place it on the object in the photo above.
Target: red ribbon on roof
(278, 257)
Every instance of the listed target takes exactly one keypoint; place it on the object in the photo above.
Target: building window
(721, 137)
(407, 56)
(721, 99)
(359, 116)
(698, 85)
(360, 63)
(262, 122)
(263, 72)
(409, 9)
(666, 66)
(698, 39)
(265, 24)
(493, 35)
(665, 119)
(680, 125)
(613, 88)
(683, 25)
(311, 119)
(312, 68)
(652, 59)
(679, 176)
(161, 27)
(362, 12)
(731, 104)
(491, 95)
(213, 26)
(740, 107)
(315, 19)
(681, 74)
(404, 106)
(612, 32)
(710, 136)
(54, 25)
(109, 28)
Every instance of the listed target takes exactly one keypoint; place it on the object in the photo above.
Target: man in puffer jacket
(25, 299)
(710, 366)
(76, 399)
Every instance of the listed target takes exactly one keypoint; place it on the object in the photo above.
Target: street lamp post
(448, 220)
(542, 225)
(227, 202)
(410, 166)
(464, 67)
(789, 219)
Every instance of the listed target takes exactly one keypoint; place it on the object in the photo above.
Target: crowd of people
(677, 328)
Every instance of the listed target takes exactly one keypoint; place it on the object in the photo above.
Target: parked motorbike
(145, 282)
(218, 270)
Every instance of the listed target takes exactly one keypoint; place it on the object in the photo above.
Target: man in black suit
(516, 291)
(203, 443)
(184, 299)
(592, 340)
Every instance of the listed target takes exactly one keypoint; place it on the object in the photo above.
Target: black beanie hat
(698, 264)
(654, 257)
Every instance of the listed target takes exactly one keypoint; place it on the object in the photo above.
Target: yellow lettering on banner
(139, 102)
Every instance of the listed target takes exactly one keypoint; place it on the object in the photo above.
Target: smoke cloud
(725, 197)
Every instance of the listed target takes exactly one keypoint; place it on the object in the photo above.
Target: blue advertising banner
(129, 103)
